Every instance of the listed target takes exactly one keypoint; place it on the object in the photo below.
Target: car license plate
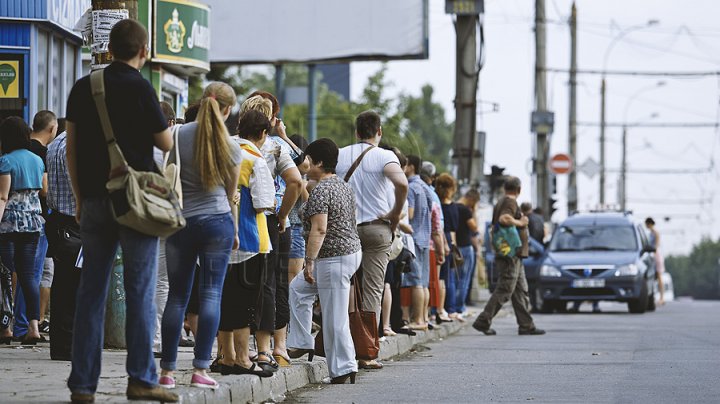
(588, 283)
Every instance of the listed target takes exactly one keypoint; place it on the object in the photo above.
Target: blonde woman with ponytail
(209, 171)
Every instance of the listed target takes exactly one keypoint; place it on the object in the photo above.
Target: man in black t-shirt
(138, 124)
(536, 224)
(45, 126)
(512, 284)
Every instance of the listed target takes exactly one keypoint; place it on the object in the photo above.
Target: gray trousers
(332, 282)
(511, 285)
(376, 240)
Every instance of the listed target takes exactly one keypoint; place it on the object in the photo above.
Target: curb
(245, 389)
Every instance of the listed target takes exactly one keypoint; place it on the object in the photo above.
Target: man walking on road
(512, 284)
(374, 174)
(139, 124)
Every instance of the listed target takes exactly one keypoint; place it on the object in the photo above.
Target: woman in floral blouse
(21, 181)
(332, 256)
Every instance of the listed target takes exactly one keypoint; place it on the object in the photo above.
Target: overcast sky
(684, 40)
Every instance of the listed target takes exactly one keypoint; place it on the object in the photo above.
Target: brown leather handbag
(363, 328)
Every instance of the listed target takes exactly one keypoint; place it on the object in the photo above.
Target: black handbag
(6, 306)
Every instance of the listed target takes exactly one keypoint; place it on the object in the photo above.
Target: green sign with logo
(182, 33)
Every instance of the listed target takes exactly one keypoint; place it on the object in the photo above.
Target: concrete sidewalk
(28, 375)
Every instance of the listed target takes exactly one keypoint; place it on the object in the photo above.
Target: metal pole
(542, 146)
(312, 102)
(623, 172)
(602, 142)
(466, 94)
(280, 88)
(572, 202)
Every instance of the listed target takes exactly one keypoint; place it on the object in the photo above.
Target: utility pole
(115, 315)
(572, 202)
(113, 11)
(623, 171)
(280, 87)
(312, 102)
(542, 131)
(602, 142)
(466, 83)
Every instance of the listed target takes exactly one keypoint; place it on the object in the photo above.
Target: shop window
(70, 72)
(43, 52)
(56, 70)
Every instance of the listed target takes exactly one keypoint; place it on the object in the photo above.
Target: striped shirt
(60, 196)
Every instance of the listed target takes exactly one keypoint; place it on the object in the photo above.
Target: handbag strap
(357, 162)
(357, 302)
(97, 85)
(176, 148)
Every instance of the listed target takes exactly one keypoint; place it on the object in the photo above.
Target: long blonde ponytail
(212, 142)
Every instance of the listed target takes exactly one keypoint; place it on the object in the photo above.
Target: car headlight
(627, 270)
(550, 271)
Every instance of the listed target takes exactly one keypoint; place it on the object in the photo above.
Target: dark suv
(598, 256)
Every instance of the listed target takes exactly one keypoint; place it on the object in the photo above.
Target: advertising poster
(9, 79)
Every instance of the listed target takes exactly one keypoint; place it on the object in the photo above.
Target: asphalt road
(669, 356)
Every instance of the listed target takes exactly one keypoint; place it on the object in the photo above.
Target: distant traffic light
(496, 180)
(552, 206)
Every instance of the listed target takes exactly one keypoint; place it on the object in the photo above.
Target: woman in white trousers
(331, 258)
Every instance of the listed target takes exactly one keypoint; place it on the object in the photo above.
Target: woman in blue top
(21, 181)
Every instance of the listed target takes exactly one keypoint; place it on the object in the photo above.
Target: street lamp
(603, 89)
(623, 166)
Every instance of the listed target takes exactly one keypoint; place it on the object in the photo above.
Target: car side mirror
(649, 249)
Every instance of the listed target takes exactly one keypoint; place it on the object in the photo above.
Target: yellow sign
(9, 79)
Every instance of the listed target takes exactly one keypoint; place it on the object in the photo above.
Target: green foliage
(416, 125)
(697, 274)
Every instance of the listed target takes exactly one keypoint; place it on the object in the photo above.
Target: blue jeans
(20, 326)
(101, 236)
(18, 251)
(450, 276)
(464, 277)
(209, 237)
(419, 274)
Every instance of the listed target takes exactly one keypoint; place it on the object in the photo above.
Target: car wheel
(639, 305)
(546, 306)
(561, 306)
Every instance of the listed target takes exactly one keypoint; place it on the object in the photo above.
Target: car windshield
(598, 238)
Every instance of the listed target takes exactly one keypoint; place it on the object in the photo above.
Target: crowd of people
(277, 230)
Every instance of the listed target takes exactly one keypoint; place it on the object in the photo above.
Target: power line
(670, 201)
(662, 171)
(655, 125)
(637, 72)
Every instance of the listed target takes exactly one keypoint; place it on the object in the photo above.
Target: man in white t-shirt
(376, 175)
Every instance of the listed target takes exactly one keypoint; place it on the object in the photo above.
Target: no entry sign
(560, 164)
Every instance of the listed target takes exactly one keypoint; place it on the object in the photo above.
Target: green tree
(416, 125)
(425, 119)
(697, 274)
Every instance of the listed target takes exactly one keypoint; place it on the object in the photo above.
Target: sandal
(388, 332)
(282, 361)
(270, 364)
(252, 370)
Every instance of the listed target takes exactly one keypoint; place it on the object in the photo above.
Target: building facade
(40, 55)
